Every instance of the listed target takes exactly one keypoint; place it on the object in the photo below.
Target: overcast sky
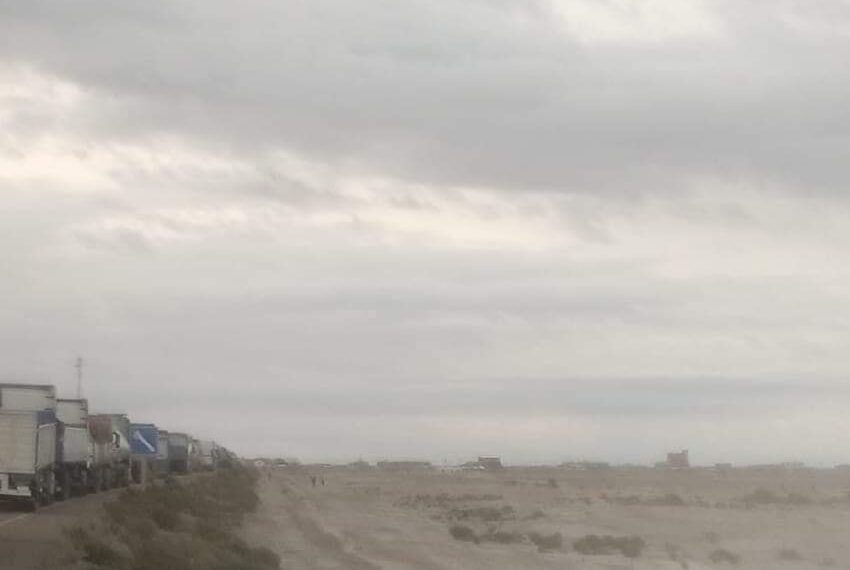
(544, 229)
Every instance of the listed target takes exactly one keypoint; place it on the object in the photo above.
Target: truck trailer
(28, 443)
(178, 452)
(111, 435)
(75, 449)
(162, 463)
(208, 454)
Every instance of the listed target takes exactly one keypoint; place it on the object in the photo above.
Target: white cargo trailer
(27, 397)
(208, 451)
(72, 412)
(28, 455)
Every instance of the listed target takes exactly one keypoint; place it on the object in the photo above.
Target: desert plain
(549, 517)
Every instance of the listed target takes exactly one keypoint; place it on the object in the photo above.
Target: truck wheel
(83, 482)
(35, 495)
(66, 485)
(49, 492)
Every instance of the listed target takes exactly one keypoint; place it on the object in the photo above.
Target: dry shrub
(763, 496)
(673, 551)
(628, 546)
(789, 554)
(797, 499)
(668, 500)
(484, 514)
(535, 515)
(503, 537)
(723, 556)
(463, 533)
(545, 542)
(444, 499)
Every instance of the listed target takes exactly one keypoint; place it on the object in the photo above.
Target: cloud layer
(545, 229)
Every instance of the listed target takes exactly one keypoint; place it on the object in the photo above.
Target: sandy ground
(371, 520)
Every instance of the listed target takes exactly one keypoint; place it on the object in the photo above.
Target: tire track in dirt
(335, 530)
(325, 541)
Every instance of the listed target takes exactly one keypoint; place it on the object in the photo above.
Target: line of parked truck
(53, 448)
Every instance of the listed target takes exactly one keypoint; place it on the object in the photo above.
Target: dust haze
(572, 235)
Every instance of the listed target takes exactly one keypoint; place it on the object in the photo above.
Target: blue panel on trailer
(46, 417)
(144, 439)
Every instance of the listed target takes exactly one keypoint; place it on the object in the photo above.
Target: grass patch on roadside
(180, 525)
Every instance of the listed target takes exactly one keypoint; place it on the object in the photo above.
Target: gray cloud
(434, 230)
(500, 95)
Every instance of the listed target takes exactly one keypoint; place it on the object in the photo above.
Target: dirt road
(34, 541)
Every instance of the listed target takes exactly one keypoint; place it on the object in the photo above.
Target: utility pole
(79, 367)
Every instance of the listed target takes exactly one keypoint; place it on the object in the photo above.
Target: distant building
(483, 464)
(404, 465)
(490, 463)
(678, 460)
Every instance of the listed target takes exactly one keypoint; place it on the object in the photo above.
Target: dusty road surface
(34, 541)
(697, 519)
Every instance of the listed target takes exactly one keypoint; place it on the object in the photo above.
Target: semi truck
(111, 435)
(28, 443)
(53, 448)
(75, 449)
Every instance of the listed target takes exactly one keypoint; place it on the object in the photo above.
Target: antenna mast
(79, 367)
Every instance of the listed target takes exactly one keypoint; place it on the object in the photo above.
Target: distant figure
(323, 481)
(313, 480)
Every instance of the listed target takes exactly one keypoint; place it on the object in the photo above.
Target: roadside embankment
(181, 524)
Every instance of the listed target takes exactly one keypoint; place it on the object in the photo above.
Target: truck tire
(34, 501)
(65, 481)
(49, 489)
(92, 480)
(39, 493)
(82, 479)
